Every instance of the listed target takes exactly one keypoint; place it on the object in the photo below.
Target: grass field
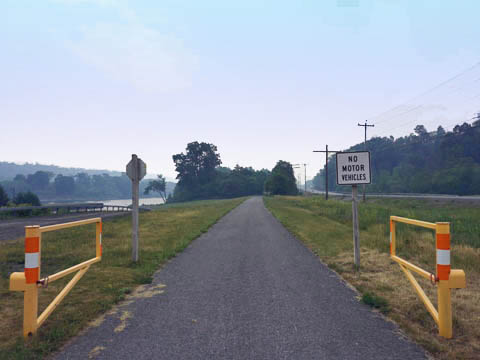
(163, 233)
(326, 228)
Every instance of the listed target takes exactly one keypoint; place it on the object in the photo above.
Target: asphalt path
(247, 289)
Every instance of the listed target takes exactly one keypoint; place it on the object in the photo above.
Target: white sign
(353, 168)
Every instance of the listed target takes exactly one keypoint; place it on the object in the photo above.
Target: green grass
(163, 233)
(302, 215)
(462, 217)
(375, 301)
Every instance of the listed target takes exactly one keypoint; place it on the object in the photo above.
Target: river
(127, 202)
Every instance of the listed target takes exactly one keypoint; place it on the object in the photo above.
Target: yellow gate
(29, 281)
(445, 278)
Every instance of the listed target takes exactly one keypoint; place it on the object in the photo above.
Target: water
(127, 202)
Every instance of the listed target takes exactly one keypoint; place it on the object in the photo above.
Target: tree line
(201, 176)
(81, 186)
(425, 161)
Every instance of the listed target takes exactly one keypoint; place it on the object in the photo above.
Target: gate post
(443, 275)
(32, 275)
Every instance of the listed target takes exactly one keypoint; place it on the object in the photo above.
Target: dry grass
(382, 278)
(163, 233)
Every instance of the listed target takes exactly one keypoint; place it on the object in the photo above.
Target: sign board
(136, 169)
(353, 168)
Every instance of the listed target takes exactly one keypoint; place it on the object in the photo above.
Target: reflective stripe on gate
(101, 232)
(443, 256)
(32, 259)
(391, 230)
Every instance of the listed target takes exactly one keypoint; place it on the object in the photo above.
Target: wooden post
(326, 172)
(135, 186)
(136, 170)
(356, 232)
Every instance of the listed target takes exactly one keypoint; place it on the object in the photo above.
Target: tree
(64, 185)
(3, 197)
(282, 180)
(198, 165)
(440, 131)
(159, 186)
(27, 198)
(196, 171)
(39, 181)
(20, 177)
(476, 122)
(422, 132)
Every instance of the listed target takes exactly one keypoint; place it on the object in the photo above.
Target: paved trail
(245, 290)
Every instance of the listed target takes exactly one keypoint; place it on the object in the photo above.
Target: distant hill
(436, 162)
(8, 170)
(55, 183)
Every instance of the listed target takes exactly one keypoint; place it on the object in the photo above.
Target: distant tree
(40, 180)
(282, 180)
(420, 130)
(196, 171)
(197, 165)
(27, 198)
(83, 179)
(3, 197)
(159, 186)
(462, 129)
(64, 185)
(440, 131)
(20, 177)
(476, 120)
(318, 181)
(422, 133)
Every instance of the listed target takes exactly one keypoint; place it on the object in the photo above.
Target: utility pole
(305, 168)
(365, 126)
(326, 151)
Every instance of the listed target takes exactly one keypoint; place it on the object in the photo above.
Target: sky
(87, 83)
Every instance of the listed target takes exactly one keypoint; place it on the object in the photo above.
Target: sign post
(136, 170)
(353, 168)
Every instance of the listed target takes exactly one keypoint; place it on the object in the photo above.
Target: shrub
(3, 197)
(27, 198)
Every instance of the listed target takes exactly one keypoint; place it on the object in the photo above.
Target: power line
(422, 94)
(461, 103)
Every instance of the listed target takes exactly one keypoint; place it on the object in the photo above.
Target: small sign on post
(353, 168)
(136, 170)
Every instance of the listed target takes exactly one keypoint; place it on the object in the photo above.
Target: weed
(376, 302)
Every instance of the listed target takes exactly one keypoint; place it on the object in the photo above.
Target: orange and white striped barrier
(445, 278)
(29, 281)
(443, 251)
(32, 255)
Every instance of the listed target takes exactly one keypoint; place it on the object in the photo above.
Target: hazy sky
(87, 83)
